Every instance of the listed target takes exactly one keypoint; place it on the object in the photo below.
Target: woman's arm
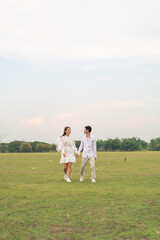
(60, 146)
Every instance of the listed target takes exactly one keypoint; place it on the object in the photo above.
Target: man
(88, 144)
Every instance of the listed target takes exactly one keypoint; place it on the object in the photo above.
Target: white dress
(67, 145)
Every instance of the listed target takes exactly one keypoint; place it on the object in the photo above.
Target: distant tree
(1, 142)
(116, 144)
(33, 144)
(53, 147)
(129, 144)
(25, 147)
(124, 144)
(108, 145)
(100, 145)
(14, 146)
(42, 147)
(142, 144)
(157, 147)
(4, 147)
(78, 142)
(155, 144)
(0, 145)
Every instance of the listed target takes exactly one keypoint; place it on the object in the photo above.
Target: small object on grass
(125, 159)
(33, 168)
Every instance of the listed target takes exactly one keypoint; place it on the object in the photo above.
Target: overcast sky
(77, 63)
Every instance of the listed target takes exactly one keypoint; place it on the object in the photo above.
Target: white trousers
(92, 165)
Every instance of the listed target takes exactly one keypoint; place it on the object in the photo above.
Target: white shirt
(89, 147)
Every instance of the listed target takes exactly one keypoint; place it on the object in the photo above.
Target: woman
(67, 148)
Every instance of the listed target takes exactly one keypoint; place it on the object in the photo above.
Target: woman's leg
(65, 165)
(69, 169)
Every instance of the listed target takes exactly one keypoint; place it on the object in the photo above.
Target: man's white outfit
(88, 145)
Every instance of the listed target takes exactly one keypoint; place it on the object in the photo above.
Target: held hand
(64, 154)
(77, 155)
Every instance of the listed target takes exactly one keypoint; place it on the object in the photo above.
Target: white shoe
(93, 180)
(81, 179)
(68, 180)
(65, 176)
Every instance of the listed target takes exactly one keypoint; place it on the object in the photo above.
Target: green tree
(42, 147)
(108, 145)
(4, 147)
(33, 144)
(129, 144)
(53, 147)
(116, 144)
(155, 144)
(100, 145)
(78, 142)
(14, 146)
(25, 147)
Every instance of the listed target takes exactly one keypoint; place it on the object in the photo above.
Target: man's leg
(92, 165)
(83, 164)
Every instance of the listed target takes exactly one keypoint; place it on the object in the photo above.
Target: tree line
(124, 144)
(21, 146)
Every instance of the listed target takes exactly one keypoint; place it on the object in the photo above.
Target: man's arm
(80, 147)
(95, 148)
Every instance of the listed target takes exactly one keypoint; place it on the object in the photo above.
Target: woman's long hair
(65, 129)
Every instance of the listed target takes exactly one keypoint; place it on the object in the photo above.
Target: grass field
(36, 202)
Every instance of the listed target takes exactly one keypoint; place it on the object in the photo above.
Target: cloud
(35, 121)
(113, 106)
(135, 122)
(64, 115)
(93, 113)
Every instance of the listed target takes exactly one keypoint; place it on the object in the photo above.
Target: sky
(76, 63)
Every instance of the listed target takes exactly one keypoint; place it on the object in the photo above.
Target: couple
(68, 150)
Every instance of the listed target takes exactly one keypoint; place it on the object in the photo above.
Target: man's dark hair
(88, 128)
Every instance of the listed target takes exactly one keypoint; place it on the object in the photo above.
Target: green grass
(38, 204)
